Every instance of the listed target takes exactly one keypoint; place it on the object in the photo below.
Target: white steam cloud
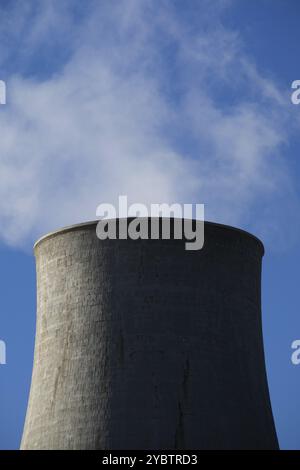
(135, 98)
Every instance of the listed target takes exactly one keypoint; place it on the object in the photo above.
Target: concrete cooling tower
(141, 344)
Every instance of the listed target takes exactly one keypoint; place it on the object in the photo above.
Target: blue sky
(165, 101)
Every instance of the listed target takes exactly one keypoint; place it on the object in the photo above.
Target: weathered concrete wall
(142, 344)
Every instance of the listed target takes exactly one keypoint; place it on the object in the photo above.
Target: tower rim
(93, 223)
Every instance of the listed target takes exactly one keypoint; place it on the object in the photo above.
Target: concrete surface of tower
(141, 344)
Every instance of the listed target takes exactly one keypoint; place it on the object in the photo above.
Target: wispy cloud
(139, 98)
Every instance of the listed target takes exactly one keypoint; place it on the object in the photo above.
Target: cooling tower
(141, 344)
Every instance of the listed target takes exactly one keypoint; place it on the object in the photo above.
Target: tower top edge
(89, 225)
